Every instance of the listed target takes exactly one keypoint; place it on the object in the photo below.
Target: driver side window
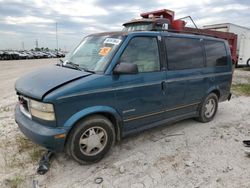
(142, 51)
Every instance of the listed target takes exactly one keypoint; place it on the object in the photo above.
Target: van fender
(211, 89)
(95, 110)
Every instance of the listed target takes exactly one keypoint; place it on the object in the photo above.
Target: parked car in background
(12, 55)
(5, 56)
(1, 55)
(30, 54)
(17, 55)
(51, 55)
(21, 55)
(60, 54)
(41, 55)
(36, 55)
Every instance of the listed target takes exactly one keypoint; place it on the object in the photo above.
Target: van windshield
(95, 52)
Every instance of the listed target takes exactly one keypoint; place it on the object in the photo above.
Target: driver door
(140, 97)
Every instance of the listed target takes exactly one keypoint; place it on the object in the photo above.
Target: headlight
(42, 110)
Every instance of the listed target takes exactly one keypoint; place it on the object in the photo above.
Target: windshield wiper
(74, 65)
(60, 63)
(87, 70)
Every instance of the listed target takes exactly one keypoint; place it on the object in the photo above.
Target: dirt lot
(185, 154)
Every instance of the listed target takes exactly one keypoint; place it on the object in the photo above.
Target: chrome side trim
(127, 111)
(143, 116)
(143, 85)
(182, 106)
(160, 112)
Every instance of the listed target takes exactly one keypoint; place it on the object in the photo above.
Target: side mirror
(126, 68)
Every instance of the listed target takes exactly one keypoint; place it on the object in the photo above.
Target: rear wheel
(208, 108)
(91, 139)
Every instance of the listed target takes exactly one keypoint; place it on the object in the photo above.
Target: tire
(208, 108)
(248, 62)
(97, 136)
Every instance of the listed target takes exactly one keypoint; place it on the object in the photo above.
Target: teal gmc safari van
(117, 83)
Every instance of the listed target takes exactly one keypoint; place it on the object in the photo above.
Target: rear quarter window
(184, 53)
(216, 54)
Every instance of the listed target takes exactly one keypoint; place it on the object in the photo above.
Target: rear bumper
(40, 134)
(229, 96)
(225, 97)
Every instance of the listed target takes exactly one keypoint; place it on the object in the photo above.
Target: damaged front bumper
(40, 134)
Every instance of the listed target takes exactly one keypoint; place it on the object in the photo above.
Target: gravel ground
(184, 154)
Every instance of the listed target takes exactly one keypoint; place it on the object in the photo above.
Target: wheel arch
(214, 90)
(106, 111)
(217, 92)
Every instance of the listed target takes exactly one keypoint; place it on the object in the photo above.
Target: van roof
(166, 33)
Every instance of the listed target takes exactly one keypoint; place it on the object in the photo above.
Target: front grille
(24, 105)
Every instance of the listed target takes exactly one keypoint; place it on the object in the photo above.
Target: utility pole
(56, 39)
(36, 44)
(23, 45)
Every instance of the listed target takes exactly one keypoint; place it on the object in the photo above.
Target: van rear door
(218, 67)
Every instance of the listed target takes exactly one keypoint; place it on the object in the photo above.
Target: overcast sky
(28, 20)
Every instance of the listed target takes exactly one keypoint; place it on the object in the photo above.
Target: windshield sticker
(104, 51)
(112, 41)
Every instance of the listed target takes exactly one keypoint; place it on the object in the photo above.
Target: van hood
(39, 83)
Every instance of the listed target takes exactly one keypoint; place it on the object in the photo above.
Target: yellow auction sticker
(104, 51)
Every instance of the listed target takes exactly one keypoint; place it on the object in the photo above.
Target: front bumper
(40, 134)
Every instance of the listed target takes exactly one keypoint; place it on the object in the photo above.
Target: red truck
(163, 20)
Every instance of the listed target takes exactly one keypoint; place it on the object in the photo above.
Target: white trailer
(243, 40)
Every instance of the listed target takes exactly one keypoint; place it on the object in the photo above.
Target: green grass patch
(14, 182)
(246, 69)
(34, 151)
(36, 154)
(24, 144)
(26, 153)
(241, 89)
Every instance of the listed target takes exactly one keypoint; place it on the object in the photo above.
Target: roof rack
(163, 20)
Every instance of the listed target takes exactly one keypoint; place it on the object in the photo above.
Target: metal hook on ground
(45, 162)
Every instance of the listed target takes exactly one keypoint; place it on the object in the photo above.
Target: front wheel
(90, 139)
(208, 108)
